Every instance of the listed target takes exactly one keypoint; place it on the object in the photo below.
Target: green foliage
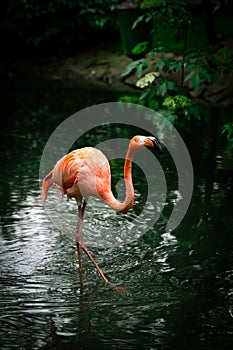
(148, 4)
(228, 130)
(129, 99)
(182, 105)
(195, 67)
(98, 13)
(165, 95)
(138, 20)
(178, 101)
(222, 56)
(141, 48)
(164, 87)
(166, 13)
(137, 65)
(62, 24)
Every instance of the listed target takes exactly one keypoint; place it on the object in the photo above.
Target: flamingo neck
(128, 202)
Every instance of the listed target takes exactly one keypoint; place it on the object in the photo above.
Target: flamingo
(86, 172)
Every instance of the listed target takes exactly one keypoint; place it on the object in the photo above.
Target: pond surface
(180, 284)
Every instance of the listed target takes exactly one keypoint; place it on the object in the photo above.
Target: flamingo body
(80, 174)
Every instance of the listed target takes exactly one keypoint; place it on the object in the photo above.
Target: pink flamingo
(86, 172)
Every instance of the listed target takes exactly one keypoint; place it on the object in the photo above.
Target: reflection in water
(180, 283)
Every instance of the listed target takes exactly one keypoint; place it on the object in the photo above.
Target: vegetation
(171, 75)
(170, 69)
(64, 25)
(228, 131)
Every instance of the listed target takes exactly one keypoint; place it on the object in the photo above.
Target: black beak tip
(157, 144)
(159, 148)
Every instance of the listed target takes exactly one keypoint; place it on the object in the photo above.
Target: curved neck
(128, 202)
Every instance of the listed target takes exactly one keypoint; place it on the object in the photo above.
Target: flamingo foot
(117, 288)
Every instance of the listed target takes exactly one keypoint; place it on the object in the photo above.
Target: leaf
(189, 75)
(160, 64)
(195, 112)
(171, 85)
(138, 20)
(205, 75)
(191, 64)
(144, 94)
(128, 69)
(139, 70)
(162, 89)
(169, 12)
(178, 66)
(228, 128)
(140, 47)
(167, 63)
(196, 81)
(148, 18)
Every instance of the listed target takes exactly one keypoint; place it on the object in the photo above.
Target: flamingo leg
(118, 289)
(79, 257)
(83, 245)
(80, 243)
(78, 232)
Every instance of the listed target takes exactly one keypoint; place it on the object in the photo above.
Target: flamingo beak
(156, 143)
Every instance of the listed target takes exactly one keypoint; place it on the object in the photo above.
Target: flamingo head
(139, 141)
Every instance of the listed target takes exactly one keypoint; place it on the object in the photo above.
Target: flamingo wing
(81, 173)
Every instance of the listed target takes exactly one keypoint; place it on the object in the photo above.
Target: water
(180, 292)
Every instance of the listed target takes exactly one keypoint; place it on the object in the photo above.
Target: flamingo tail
(47, 182)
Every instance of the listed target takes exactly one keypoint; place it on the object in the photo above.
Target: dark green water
(180, 284)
